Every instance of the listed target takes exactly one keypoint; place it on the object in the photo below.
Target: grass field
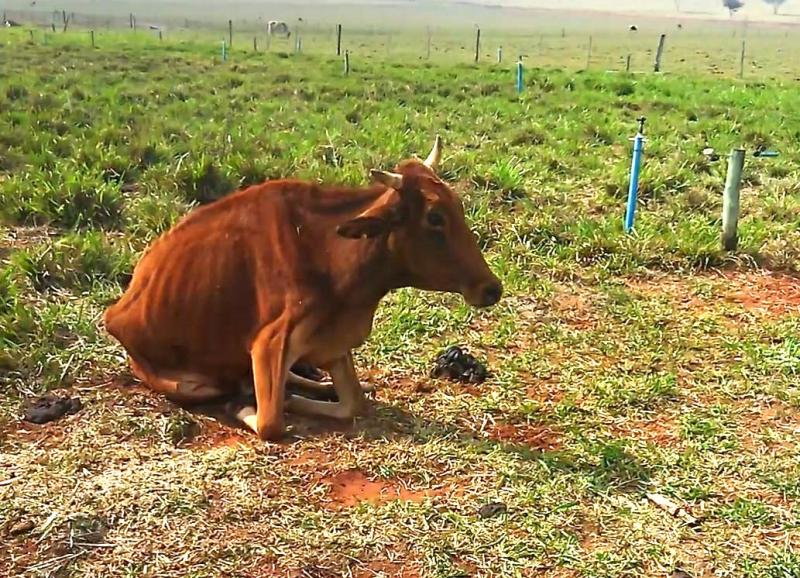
(622, 364)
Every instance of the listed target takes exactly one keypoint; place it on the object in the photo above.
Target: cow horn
(436, 154)
(391, 180)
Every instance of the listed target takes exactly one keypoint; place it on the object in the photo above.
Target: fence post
(160, 36)
(130, 18)
(230, 32)
(255, 43)
(338, 40)
(477, 44)
(519, 75)
(741, 60)
(589, 54)
(659, 53)
(31, 33)
(499, 55)
(224, 52)
(633, 187)
(92, 35)
(346, 62)
(429, 43)
(628, 64)
(730, 200)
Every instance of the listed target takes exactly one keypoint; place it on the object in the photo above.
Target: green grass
(622, 364)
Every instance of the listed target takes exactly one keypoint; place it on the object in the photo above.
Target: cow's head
(423, 222)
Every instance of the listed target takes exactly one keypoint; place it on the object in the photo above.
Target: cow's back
(192, 299)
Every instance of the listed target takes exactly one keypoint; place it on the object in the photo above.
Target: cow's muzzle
(485, 295)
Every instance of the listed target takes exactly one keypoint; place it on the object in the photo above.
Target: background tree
(776, 4)
(732, 5)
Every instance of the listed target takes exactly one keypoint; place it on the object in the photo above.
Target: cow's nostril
(491, 294)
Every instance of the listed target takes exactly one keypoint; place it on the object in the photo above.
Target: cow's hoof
(271, 433)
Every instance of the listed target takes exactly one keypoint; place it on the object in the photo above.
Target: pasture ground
(621, 364)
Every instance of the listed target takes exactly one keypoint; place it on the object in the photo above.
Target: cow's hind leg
(181, 387)
(318, 386)
(348, 389)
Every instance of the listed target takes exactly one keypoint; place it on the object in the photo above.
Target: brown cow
(291, 272)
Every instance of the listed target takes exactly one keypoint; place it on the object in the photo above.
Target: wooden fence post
(429, 43)
(741, 60)
(659, 53)
(589, 54)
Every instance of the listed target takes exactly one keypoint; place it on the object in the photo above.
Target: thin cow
(289, 272)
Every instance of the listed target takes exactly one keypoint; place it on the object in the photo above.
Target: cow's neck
(365, 270)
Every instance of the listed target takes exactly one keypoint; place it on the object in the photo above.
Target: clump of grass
(75, 261)
(70, 199)
(507, 176)
(202, 181)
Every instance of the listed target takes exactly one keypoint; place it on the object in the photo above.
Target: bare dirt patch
(352, 487)
(213, 434)
(661, 430)
(389, 568)
(547, 390)
(760, 292)
(769, 426)
(773, 294)
(574, 307)
(536, 437)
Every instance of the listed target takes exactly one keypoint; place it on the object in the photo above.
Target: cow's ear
(363, 227)
(391, 180)
(377, 220)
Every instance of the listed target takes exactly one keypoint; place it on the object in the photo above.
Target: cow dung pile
(457, 365)
(51, 407)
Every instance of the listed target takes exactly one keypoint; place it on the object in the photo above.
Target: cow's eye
(435, 219)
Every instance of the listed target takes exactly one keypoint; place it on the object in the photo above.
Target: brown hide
(288, 271)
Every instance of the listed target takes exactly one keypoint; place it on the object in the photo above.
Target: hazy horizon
(439, 11)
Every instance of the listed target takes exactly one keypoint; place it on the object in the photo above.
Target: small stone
(492, 509)
(21, 527)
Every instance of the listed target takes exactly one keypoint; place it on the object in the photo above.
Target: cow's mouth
(484, 295)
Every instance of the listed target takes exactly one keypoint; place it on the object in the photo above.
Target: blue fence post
(636, 163)
(519, 75)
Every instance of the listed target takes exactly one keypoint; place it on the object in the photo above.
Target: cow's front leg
(348, 389)
(271, 362)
